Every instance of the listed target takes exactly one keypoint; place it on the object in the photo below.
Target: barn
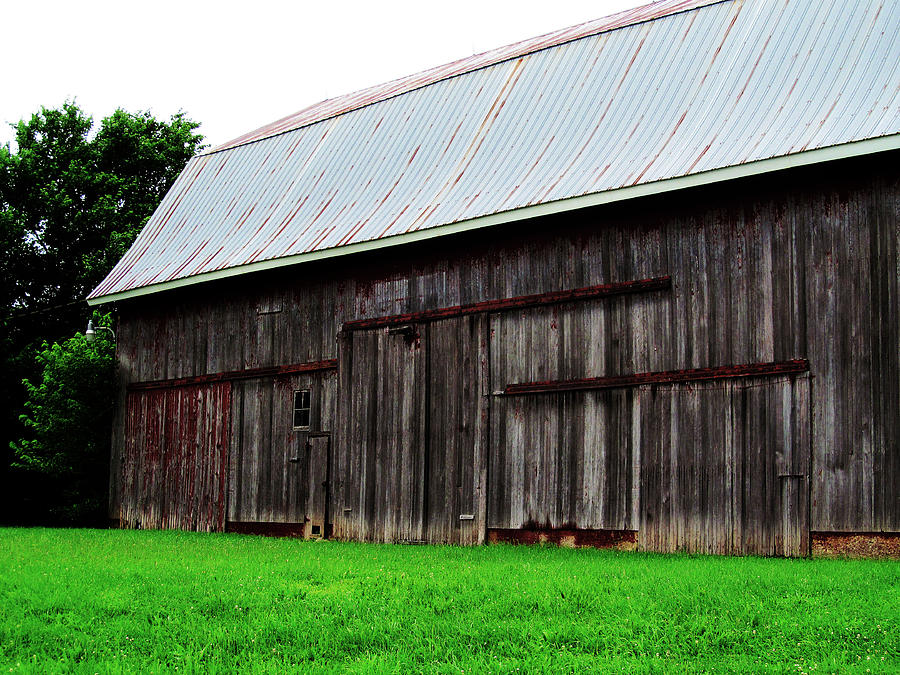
(633, 283)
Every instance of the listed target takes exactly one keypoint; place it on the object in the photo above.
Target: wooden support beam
(662, 377)
(231, 375)
(520, 302)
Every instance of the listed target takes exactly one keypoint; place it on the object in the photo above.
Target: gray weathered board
(804, 265)
(265, 485)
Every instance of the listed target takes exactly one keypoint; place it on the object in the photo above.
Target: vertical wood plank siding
(265, 484)
(384, 499)
(725, 467)
(456, 430)
(798, 265)
(563, 461)
(174, 460)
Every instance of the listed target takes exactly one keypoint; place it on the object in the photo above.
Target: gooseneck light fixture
(91, 332)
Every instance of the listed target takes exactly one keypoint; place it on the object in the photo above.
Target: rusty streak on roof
(660, 97)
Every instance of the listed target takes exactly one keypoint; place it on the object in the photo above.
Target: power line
(21, 315)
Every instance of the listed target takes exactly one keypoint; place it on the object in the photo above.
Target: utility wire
(20, 315)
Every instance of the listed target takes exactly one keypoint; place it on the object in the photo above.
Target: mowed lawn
(100, 601)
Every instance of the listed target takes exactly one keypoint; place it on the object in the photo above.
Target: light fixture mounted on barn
(91, 333)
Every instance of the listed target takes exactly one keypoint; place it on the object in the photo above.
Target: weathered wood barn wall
(799, 267)
(581, 298)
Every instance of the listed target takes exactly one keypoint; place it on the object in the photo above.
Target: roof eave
(817, 156)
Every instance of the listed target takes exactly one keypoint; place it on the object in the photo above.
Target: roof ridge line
(678, 7)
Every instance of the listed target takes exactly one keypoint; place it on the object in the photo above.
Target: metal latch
(407, 329)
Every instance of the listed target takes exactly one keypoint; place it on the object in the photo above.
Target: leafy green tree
(73, 202)
(73, 196)
(68, 416)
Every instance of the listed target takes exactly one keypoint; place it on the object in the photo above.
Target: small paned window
(301, 409)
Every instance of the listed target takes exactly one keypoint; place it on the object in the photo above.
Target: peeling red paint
(164, 483)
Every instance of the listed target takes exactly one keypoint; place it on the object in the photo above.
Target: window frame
(295, 409)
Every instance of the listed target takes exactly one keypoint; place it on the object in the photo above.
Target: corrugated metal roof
(613, 107)
(337, 106)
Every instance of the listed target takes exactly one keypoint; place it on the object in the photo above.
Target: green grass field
(89, 601)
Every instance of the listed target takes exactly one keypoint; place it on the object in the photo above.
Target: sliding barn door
(457, 421)
(563, 461)
(174, 466)
(380, 468)
(279, 461)
(407, 459)
(725, 467)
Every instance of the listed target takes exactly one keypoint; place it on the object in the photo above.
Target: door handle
(294, 460)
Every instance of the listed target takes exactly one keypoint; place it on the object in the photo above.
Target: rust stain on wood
(231, 375)
(266, 529)
(856, 544)
(792, 367)
(566, 537)
(520, 302)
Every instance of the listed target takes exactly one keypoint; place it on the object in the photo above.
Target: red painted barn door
(174, 466)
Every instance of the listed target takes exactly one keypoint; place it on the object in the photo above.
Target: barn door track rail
(519, 302)
(793, 367)
(232, 375)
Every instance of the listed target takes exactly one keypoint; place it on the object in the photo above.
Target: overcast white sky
(235, 66)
